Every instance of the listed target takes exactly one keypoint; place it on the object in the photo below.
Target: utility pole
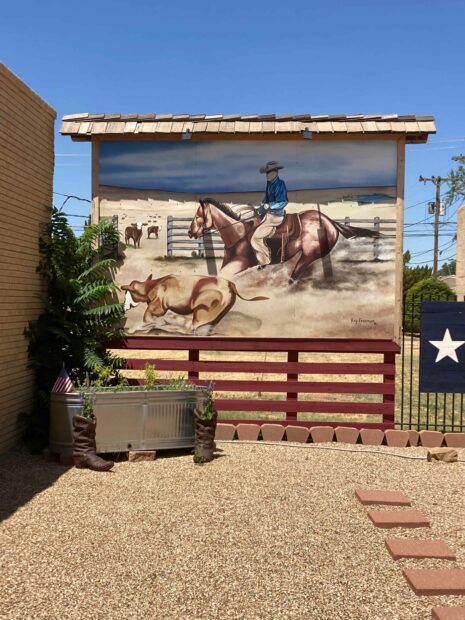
(437, 181)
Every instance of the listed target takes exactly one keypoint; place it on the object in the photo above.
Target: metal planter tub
(133, 420)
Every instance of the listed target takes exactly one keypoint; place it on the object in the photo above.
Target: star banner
(442, 346)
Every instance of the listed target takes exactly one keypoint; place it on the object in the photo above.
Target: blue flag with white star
(442, 346)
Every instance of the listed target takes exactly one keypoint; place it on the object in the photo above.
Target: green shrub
(428, 289)
(81, 314)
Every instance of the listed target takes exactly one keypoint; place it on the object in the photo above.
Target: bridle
(211, 229)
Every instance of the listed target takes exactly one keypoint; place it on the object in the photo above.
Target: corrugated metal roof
(84, 126)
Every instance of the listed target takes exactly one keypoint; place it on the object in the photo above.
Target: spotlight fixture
(307, 134)
(186, 135)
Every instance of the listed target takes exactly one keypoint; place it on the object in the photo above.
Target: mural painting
(282, 239)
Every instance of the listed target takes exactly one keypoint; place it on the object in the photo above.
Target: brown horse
(310, 233)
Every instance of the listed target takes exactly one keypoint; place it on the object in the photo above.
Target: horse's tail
(350, 232)
(259, 298)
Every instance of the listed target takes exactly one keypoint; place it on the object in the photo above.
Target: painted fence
(370, 378)
(211, 244)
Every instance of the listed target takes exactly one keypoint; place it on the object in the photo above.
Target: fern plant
(81, 310)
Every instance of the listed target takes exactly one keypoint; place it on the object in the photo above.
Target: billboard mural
(281, 239)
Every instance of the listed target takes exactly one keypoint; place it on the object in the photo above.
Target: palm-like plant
(81, 310)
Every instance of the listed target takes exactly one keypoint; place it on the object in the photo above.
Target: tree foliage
(428, 289)
(81, 310)
(457, 183)
(448, 269)
(412, 275)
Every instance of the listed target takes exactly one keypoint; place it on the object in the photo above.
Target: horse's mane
(222, 207)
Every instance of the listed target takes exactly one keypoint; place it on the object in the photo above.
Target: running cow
(207, 298)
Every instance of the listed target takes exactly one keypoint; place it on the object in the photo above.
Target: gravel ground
(265, 531)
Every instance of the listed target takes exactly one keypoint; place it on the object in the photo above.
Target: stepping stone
(398, 518)
(415, 548)
(448, 613)
(436, 581)
(389, 498)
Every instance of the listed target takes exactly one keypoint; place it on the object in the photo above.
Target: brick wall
(26, 176)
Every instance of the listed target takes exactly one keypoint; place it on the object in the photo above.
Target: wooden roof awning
(85, 126)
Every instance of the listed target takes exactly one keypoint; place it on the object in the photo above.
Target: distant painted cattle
(207, 298)
(134, 232)
(153, 229)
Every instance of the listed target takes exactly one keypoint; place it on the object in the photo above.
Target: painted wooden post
(377, 227)
(169, 235)
(193, 374)
(390, 379)
(292, 356)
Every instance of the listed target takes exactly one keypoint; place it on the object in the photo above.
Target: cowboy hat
(271, 165)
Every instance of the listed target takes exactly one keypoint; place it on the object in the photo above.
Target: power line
(72, 196)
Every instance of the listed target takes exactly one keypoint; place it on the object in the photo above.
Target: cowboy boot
(84, 447)
(204, 437)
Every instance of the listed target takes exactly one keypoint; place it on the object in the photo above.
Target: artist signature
(362, 321)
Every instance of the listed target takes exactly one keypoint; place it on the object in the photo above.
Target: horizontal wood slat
(308, 423)
(250, 344)
(304, 387)
(310, 406)
(266, 367)
(289, 386)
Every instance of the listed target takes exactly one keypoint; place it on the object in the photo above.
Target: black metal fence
(423, 410)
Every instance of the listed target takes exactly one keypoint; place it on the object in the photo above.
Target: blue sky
(248, 57)
(189, 166)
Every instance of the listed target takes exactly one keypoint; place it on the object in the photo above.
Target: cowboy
(273, 208)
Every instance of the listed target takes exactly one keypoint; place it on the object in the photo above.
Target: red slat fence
(292, 368)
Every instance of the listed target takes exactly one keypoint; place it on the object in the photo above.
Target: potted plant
(152, 416)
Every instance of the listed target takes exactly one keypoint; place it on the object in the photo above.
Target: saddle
(289, 227)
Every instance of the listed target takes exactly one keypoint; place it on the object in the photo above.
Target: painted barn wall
(26, 176)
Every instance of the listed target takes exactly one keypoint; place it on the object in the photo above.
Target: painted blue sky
(261, 57)
(190, 166)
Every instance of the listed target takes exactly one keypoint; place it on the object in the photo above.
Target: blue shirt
(276, 196)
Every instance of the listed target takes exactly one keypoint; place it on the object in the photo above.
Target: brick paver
(455, 440)
(396, 439)
(346, 434)
(398, 518)
(372, 436)
(297, 434)
(431, 439)
(389, 498)
(322, 434)
(436, 581)
(416, 548)
(225, 431)
(448, 613)
(272, 432)
(248, 432)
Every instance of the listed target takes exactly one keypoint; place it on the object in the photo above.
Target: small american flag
(63, 382)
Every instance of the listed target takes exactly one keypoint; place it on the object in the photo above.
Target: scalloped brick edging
(275, 432)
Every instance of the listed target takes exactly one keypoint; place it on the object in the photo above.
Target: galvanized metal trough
(132, 420)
